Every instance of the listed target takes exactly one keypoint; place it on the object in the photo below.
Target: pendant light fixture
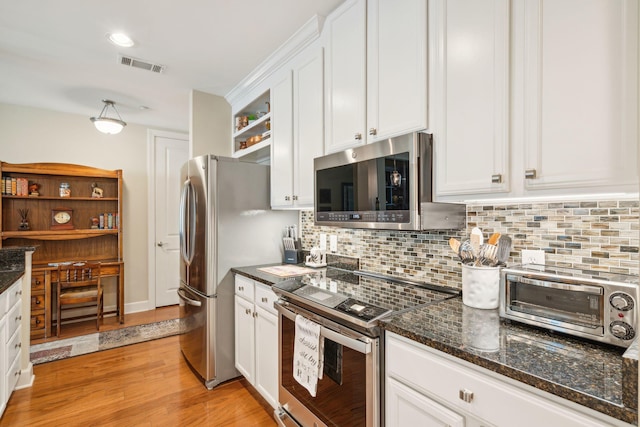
(107, 124)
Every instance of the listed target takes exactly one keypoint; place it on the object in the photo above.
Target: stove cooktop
(358, 299)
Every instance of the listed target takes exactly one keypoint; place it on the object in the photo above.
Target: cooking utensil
(493, 240)
(504, 248)
(476, 241)
(454, 244)
(466, 253)
(488, 255)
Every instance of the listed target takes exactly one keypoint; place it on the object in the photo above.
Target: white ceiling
(54, 54)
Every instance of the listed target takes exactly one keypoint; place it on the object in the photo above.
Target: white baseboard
(26, 377)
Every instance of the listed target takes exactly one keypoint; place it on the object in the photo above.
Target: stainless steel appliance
(588, 304)
(348, 308)
(385, 185)
(225, 221)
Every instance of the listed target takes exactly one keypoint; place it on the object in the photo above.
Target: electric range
(358, 299)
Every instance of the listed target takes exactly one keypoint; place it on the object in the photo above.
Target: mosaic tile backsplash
(596, 235)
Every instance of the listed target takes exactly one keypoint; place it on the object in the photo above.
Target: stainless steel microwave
(589, 304)
(384, 185)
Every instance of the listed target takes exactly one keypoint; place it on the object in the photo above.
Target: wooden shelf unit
(82, 243)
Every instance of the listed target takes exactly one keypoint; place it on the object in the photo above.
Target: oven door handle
(337, 337)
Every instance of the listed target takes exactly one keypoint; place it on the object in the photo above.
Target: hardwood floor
(146, 384)
(111, 323)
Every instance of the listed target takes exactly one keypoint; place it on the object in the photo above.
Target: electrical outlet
(532, 256)
(323, 242)
(333, 243)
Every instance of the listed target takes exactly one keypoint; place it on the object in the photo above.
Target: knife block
(293, 256)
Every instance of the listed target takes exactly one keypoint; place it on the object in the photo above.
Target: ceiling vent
(139, 63)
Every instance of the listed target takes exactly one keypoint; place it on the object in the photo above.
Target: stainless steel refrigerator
(225, 222)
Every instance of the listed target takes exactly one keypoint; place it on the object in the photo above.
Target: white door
(245, 332)
(171, 152)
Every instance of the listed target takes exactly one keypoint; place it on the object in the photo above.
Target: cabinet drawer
(13, 320)
(13, 347)
(37, 302)
(447, 380)
(15, 293)
(265, 297)
(37, 282)
(13, 375)
(37, 320)
(244, 287)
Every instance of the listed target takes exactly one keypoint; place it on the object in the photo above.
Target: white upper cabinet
(580, 70)
(346, 30)
(376, 71)
(308, 124)
(534, 95)
(469, 112)
(396, 67)
(282, 142)
(298, 109)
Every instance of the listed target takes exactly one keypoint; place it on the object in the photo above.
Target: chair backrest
(79, 274)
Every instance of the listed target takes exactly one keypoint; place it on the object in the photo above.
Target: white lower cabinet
(10, 340)
(256, 336)
(427, 387)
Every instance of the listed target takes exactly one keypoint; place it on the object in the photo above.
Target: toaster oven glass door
(572, 306)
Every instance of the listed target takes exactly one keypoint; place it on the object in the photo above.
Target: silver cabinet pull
(241, 288)
(264, 299)
(466, 395)
(295, 197)
(373, 131)
(530, 174)
(496, 179)
(287, 198)
(255, 314)
(358, 136)
(160, 244)
(247, 311)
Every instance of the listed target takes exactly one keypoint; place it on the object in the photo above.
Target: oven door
(348, 393)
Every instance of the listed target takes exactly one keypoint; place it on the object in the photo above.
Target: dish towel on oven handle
(307, 354)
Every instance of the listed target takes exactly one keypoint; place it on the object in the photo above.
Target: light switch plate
(333, 243)
(532, 256)
(323, 242)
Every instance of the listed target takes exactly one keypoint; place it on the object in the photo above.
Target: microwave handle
(564, 286)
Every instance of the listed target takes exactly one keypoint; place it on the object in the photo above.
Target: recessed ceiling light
(120, 39)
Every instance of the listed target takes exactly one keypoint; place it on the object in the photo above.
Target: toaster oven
(588, 304)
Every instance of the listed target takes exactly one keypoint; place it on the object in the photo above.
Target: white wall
(29, 135)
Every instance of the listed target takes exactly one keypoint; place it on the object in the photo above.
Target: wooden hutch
(73, 213)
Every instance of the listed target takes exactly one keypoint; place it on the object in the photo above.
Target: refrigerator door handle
(188, 300)
(183, 218)
(193, 216)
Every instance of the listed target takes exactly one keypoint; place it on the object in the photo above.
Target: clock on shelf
(62, 219)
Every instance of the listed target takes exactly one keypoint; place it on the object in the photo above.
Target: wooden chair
(79, 284)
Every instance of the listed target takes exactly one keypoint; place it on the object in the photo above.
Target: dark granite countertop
(12, 265)
(580, 371)
(254, 273)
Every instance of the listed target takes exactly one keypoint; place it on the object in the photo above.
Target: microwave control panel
(364, 216)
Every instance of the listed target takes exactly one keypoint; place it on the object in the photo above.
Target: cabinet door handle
(295, 197)
(247, 311)
(18, 318)
(466, 395)
(496, 179)
(373, 131)
(358, 136)
(287, 198)
(241, 288)
(530, 174)
(37, 282)
(19, 345)
(255, 314)
(264, 299)
(38, 321)
(37, 301)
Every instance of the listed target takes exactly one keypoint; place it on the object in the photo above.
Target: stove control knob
(622, 330)
(621, 301)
